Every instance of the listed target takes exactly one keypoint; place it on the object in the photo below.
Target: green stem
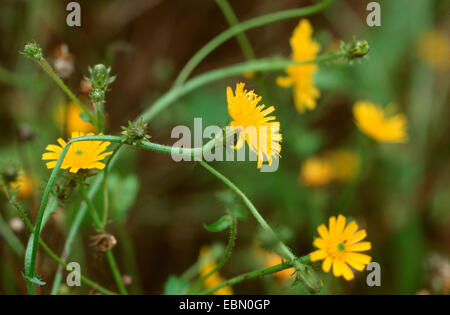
(258, 273)
(105, 186)
(261, 65)
(44, 64)
(232, 19)
(225, 257)
(94, 187)
(237, 29)
(244, 44)
(98, 223)
(54, 256)
(286, 252)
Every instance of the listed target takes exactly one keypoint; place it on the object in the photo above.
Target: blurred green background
(159, 206)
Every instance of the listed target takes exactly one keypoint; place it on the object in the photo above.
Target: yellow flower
(373, 121)
(345, 164)
(215, 279)
(339, 246)
(304, 48)
(316, 172)
(261, 133)
(272, 259)
(434, 48)
(25, 184)
(69, 117)
(81, 155)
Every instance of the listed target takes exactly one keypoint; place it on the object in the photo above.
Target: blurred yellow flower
(25, 184)
(69, 118)
(373, 120)
(261, 133)
(81, 155)
(304, 48)
(249, 74)
(215, 279)
(434, 48)
(339, 246)
(316, 172)
(345, 164)
(272, 259)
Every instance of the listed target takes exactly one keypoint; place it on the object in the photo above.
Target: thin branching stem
(258, 274)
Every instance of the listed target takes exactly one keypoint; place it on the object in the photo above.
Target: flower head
(24, 184)
(304, 48)
(345, 164)
(261, 133)
(434, 48)
(81, 154)
(339, 246)
(316, 172)
(373, 120)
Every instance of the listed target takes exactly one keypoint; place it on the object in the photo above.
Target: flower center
(341, 247)
(78, 152)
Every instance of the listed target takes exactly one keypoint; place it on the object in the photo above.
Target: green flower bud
(136, 132)
(33, 51)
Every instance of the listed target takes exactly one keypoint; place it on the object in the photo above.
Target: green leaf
(35, 280)
(238, 211)
(175, 286)
(220, 225)
(85, 117)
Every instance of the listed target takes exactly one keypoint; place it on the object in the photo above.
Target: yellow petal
(360, 235)
(359, 247)
(318, 255)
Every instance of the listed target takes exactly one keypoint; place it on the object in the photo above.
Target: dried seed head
(103, 242)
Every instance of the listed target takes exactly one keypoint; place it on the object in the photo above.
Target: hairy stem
(261, 65)
(285, 251)
(225, 257)
(53, 255)
(258, 273)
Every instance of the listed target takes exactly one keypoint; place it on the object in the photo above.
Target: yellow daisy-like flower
(25, 184)
(68, 117)
(339, 246)
(316, 172)
(81, 155)
(215, 279)
(304, 48)
(373, 120)
(434, 48)
(261, 133)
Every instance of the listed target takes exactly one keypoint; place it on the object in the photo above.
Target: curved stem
(94, 187)
(284, 249)
(109, 256)
(44, 64)
(105, 186)
(225, 257)
(261, 65)
(258, 273)
(244, 44)
(53, 255)
(231, 32)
